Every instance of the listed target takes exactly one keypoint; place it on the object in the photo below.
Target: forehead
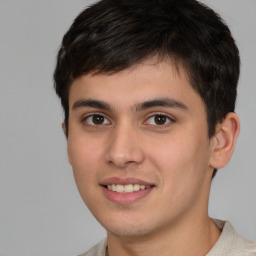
(145, 81)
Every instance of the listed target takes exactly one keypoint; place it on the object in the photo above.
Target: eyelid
(170, 118)
(91, 114)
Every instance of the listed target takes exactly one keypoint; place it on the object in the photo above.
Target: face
(138, 144)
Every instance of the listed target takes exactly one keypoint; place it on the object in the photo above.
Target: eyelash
(167, 119)
(86, 118)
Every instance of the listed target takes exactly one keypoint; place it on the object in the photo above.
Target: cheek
(82, 151)
(84, 157)
(181, 162)
(173, 154)
(182, 168)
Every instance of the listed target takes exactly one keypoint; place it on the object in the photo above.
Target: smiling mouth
(129, 188)
(126, 190)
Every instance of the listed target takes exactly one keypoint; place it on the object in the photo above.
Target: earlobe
(224, 141)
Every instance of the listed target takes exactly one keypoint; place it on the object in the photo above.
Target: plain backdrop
(41, 212)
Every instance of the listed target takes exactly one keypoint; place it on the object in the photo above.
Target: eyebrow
(162, 102)
(90, 103)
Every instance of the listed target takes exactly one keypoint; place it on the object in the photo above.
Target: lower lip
(126, 198)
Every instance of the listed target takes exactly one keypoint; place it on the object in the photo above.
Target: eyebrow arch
(90, 103)
(162, 102)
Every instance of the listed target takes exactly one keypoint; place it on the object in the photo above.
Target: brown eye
(97, 120)
(159, 120)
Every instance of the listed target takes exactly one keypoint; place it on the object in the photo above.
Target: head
(113, 35)
(134, 50)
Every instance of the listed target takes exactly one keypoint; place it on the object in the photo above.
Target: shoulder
(243, 246)
(97, 250)
(231, 243)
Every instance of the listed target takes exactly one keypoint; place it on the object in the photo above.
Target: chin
(129, 228)
(128, 232)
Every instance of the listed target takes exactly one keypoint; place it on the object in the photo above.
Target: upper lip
(125, 181)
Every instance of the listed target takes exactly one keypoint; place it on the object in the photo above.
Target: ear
(224, 140)
(64, 128)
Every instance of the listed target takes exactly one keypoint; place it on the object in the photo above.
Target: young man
(148, 89)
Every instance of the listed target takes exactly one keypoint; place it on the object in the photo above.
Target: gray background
(41, 212)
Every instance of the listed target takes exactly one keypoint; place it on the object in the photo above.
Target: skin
(175, 156)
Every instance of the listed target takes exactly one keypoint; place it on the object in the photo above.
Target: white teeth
(119, 188)
(126, 188)
(136, 187)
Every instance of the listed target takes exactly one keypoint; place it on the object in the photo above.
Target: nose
(124, 147)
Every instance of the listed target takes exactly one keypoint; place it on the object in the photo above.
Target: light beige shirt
(228, 244)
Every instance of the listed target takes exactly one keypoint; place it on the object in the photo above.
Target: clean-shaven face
(138, 144)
